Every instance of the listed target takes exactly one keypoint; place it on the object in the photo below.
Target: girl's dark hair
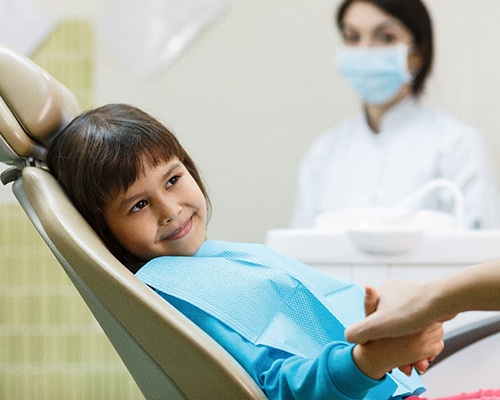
(101, 152)
(414, 15)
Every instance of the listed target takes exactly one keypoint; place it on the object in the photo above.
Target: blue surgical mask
(377, 73)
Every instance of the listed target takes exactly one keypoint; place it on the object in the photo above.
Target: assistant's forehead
(366, 14)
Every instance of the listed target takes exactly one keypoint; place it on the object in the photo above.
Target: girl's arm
(409, 306)
(341, 370)
(336, 373)
(332, 375)
(281, 375)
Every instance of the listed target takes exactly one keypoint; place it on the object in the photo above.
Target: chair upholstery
(34, 107)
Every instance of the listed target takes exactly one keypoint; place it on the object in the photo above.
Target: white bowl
(383, 241)
(379, 218)
(385, 231)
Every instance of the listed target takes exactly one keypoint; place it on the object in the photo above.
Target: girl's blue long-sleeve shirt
(252, 301)
(281, 375)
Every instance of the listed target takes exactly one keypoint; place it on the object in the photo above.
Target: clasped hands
(408, 351)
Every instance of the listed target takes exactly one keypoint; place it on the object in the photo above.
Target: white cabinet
(434, 254)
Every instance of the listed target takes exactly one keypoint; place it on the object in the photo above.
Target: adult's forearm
(408, 306)
(476, 287)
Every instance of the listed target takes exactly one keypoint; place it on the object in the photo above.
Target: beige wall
(250, 94)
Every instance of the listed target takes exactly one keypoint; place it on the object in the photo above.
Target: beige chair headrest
(34, 107)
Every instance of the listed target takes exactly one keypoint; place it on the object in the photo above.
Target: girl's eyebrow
(172, 168)
(124, 203)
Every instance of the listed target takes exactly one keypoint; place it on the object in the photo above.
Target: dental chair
(167, 355)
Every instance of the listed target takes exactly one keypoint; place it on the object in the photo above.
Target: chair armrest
(462, 337)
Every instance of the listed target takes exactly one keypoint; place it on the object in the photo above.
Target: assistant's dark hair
(102, 152)
(414, 15)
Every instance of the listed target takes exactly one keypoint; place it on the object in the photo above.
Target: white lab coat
(350, 166)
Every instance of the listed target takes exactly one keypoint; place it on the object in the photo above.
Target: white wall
(250, 94)
(245, 100)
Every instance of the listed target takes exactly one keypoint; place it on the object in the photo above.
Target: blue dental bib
(268, 299)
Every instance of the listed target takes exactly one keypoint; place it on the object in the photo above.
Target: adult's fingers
(371, 328)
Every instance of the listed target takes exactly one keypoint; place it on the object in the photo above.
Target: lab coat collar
(399, 114)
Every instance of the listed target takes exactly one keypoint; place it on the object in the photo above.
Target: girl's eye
(172, 181)
(139, 206)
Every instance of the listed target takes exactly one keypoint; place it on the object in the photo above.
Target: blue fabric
(276, 305)
(281, 375)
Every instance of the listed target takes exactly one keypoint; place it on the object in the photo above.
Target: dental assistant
(395, 143)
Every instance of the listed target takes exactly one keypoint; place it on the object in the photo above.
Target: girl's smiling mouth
(181, 232)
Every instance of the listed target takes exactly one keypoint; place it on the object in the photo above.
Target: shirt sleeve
(332, 375)
(283, 376)
(467, 162)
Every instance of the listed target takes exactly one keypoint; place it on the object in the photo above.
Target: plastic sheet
(149, 34)
(23, 25)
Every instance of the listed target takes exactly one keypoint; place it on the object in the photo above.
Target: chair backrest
(168, 356)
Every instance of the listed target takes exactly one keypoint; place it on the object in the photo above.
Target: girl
(141, 192)
(394, 144)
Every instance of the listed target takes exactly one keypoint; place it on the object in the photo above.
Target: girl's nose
(169, 212)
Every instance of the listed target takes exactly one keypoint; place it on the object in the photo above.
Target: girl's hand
(378, 357)
(370, 304)
(421, 366)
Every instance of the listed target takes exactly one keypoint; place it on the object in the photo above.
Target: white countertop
(445, 247)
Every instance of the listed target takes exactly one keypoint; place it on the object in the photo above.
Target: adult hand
(403, 308)
(372, 299)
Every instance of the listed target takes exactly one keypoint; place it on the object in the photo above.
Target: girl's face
(366, 25)
(163, 213)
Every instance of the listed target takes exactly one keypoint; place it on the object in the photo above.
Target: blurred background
(246, 86)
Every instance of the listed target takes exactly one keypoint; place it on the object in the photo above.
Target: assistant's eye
(172, 181)
(385, 38)
(350, 38)
(139, 206)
